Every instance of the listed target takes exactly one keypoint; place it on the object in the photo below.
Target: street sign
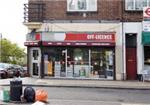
(146, 12)
(146, 26)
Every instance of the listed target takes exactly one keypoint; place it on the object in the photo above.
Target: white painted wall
(136, 27)
(119, 54)
(79, 27)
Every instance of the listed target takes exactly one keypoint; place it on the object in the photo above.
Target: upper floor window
(136, 5)
(81, 5)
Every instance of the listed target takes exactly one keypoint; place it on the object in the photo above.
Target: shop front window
(79, 62)
(102, 63)
(54, 62)
(147, 57)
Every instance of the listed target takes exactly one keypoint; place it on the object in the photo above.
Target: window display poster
(110, 58)
(50, 69)
(70, 71)
(45, 57)
(57, 69)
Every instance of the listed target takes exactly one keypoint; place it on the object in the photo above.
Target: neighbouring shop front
(146, 49)
(74, 55)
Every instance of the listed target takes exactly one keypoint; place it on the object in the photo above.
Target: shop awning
(146, 38)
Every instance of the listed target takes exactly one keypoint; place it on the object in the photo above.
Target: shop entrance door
(131, 64)
(67, 64)
(35, 61)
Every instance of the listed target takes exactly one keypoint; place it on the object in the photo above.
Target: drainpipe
(42, 60)
(66, 61)
(123, 63)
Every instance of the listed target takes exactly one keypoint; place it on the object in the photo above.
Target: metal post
(66, 60)
(89, 61)
(123, 43)
(42, 62)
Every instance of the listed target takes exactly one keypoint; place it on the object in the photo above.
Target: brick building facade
(106, 10)
(90, 43)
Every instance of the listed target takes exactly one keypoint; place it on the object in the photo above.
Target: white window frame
(134, 5)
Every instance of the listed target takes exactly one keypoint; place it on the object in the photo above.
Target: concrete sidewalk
(80, 83)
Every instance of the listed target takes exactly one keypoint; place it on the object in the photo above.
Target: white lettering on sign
(49, 43)
(68, 43)
(35, 43)
(99, 37)
(104, 44)
(80, 44)
(90, 36)
(59, 43)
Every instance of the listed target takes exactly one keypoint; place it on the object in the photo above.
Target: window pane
(35, 69)
(92, 5)
(81, 62)
(148, 2)
(72, 4)
(129, 4)
(138, 5)
(35, 54)
(82, 4)
(81, 56)
(145, 3)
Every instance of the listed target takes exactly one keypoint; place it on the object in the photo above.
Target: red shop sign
(100, 37)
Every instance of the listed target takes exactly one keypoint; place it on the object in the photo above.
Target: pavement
(79, 83)
(74, 102)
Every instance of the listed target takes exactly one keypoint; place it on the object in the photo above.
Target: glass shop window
(35, 54)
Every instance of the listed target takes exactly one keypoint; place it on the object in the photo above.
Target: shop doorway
(35, 61)
(131, 60)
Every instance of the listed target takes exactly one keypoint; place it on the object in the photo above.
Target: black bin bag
(29, 94)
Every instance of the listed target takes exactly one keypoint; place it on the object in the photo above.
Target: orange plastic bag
(41, 95)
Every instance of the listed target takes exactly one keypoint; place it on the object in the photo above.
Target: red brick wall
(131, 15)
(107, 10)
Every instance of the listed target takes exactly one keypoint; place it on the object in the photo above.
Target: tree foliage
(12, 53)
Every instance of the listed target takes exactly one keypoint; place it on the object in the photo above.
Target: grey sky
(11, 21)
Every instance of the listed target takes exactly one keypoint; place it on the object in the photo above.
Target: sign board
(57, 69)
(100, 37)
(146, 26)
(146, 12)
